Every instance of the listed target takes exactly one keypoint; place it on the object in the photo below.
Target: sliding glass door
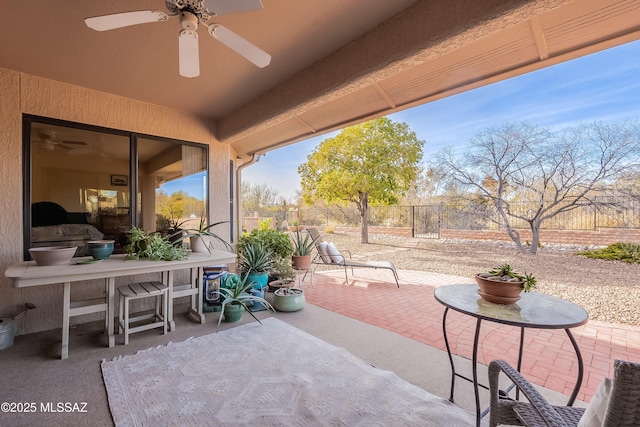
(79, 181)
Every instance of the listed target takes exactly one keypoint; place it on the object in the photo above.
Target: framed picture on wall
(120, 180)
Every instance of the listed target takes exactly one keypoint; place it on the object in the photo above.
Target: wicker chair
(623, 408)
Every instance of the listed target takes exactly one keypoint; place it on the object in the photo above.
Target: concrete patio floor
(549, 360)
(397, 329)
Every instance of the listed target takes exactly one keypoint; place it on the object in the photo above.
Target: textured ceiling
(334, 62)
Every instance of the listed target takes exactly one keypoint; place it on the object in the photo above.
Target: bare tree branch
(557, 172)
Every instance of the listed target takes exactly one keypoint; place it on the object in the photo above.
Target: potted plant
(302, 249)
(236, 298)
(152, 246)
(168, 221)
(256, 261)
(281, 270)
(277, 242)
(200, 237)
(296, 226)
(502, 285)
(288, 299)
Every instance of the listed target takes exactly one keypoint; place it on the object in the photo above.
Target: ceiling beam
(424, 31)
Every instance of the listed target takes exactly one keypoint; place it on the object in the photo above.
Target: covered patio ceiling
(334, 62)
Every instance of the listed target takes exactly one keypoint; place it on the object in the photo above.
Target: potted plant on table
(152, 246)
(236, 298)
(302, 249)
(503, 285)
(200, 238)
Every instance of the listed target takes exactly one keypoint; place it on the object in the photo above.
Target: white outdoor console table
(27, 273)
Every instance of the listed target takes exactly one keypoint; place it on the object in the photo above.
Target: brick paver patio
(549, 360)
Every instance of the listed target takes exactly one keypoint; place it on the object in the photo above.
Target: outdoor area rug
(265, 375)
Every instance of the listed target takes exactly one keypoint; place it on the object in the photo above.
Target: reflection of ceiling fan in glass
(49, 142)
(192, 13)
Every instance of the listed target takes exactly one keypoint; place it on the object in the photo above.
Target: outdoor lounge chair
(622, 409)
(327, 254)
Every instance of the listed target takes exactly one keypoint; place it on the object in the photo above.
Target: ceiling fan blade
(233, 41)
(220, 7)
(188, 53)
(74, 142)
(125, 19)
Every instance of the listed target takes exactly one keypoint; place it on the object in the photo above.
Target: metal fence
(452, 214)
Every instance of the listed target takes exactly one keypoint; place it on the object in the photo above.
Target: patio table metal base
(533, 311)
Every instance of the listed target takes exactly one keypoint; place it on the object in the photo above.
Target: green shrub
(152, 246)
(277, 242)
(620, 251)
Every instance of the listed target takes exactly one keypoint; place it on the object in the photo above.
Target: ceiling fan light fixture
(189, 58)
(48, 146)
(188, 21)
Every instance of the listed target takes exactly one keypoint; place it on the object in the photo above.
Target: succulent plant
(505, 273)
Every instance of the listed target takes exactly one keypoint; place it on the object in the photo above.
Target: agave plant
(302, 246)
(256, 258)
(235, 291)
(202, 230)
(506, 273)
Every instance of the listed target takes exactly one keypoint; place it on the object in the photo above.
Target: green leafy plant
(264, 224)
(503, 270)
(235, 290)
(277, 242)
(620, 251)
(505, 273)
(303, 243)
(255, 257)
(282, 269)
(152, 246)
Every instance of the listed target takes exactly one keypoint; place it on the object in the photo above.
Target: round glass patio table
(533, 310)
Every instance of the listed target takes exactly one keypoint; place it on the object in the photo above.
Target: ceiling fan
(49, 142)
(192, 13)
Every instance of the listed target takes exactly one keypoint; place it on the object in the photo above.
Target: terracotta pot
(499, 292)
(294, 228)
(281, 283)
(301, 262)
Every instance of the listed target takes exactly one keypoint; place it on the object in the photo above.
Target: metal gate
(426, 221)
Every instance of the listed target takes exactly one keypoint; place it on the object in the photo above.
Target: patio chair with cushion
(615, 403)
(328, 254)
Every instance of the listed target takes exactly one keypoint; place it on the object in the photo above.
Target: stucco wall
(21, 93)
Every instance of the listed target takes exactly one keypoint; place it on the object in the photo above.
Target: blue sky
(604, 86)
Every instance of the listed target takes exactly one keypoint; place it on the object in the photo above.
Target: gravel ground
(608, 290)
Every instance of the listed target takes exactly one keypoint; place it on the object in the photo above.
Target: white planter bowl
(53, 255)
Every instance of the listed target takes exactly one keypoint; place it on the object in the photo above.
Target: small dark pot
(233, 312)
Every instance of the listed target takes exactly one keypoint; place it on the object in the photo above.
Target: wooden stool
(142, 290)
